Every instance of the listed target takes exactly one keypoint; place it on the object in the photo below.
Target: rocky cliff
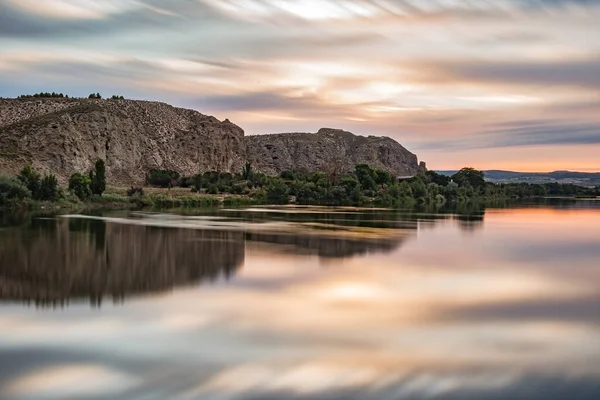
(328, 149)
(63, 136)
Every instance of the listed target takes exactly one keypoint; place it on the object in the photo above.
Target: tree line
(66, 96)
(17, 191)
(363, 186)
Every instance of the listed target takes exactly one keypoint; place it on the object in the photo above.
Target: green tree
(436, 178)
(98, 178)
(418, 188)
(79, 185)
(350, 182)
(366, 176)
(12, 192)
(382, 177)
(404, 189)
(197, 181)
(287, 175)
(278, 192)
(49, 189)
(469, 177)
(162, 177)
(247, 172)
(30, 178)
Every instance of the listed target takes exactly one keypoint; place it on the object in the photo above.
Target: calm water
(308, 303)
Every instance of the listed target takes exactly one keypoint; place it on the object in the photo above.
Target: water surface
(308, 303)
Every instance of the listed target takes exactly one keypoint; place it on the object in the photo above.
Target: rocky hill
(328, 149)
(63, 136)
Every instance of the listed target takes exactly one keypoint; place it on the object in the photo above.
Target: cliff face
(63, 136)
(328, 150)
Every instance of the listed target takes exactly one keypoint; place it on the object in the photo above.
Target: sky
(506, 84)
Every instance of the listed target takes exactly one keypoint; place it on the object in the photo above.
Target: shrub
(287, 175)
(186, 181)
(110, 198)
(79, 185)
(237, 189)
(162, 177)
(135, 191)
(12, 192)
(212, 189)
(211, 177)
(49, 190)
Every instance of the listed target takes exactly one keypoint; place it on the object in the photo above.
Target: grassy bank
(117, 198)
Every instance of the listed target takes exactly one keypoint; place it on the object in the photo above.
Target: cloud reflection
(447, 315)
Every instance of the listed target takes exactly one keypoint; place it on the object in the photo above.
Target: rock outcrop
(328, 149)
(63, 136)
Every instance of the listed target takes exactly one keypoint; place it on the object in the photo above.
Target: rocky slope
(63, 136)
(332, 150)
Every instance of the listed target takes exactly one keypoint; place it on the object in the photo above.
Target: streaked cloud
(425, 73)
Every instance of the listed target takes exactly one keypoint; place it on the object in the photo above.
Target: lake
(302, 303)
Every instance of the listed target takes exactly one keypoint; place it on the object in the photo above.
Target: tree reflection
(53, 261)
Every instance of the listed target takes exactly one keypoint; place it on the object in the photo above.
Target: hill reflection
(52, 261)
(328, 247)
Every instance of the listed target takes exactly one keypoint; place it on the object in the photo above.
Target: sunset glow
(507, 84)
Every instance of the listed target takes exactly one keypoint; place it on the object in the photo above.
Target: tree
(98, 178)
(162, 177)
(79, 185)
(247, 172)
(382, 177)
(418, 188)
(469, 177)
(49, 190)
(12, 191)
(436, 178)
(365, 175)
(30, 178)
(278, 192)
(197, 181)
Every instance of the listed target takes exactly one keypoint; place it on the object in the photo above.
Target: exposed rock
(328, 150)
(63, 136)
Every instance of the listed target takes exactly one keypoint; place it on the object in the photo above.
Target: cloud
(582, 310)
(583, 73)
(17, 21)
(524, 133)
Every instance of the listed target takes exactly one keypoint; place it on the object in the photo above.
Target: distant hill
(500, 176)
(328, 150)
(60, 135)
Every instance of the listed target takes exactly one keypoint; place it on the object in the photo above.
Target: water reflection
(510, 310)
(52, 260)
